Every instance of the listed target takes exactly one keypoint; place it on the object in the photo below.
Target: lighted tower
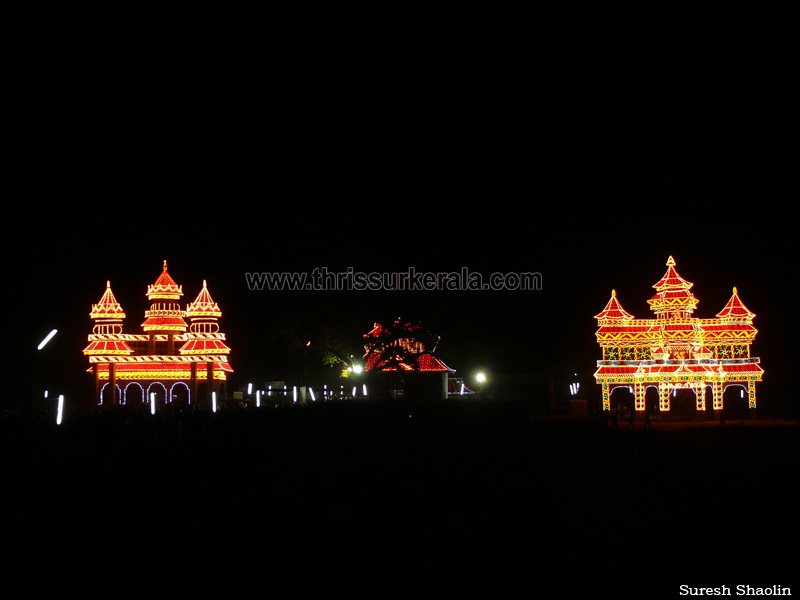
(106, 340)
(165, 317)
(204, 340)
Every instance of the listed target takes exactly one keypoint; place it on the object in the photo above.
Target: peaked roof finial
(670, 262)
(165, 265)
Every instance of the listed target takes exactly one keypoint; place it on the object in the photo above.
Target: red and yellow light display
(168, 351)
(675, 350)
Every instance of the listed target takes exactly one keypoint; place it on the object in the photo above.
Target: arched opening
(156, 391)
(622, 401)
(106, 396)
(133, 395)
(708, 396)
(682, 403)
(179, 394)
(735, 402)
(651, 400)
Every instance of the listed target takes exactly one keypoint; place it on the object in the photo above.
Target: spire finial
(165, 265)
(108, 283)
(670, 262)
(204, 283)
(734, 290)
(613, 293)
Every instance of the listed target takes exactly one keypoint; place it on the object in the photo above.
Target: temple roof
(671, 279)
(108, 307)
(107, 347)
(203, 306)
(164, 287)
(614, 311)
(735, 309)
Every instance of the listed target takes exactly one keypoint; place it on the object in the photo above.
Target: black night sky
(586, 222)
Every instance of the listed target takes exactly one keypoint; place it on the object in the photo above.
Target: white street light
(47, 339)
(60, 413)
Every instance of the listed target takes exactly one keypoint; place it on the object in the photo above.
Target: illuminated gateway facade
(171, 361)
(675, 351)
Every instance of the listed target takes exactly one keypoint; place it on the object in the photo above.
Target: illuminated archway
(179, 393)
(131, 396)
(622, 399)
(160, 391)
(105, 395)
(683, 401)
(651, 399)
(735, 401)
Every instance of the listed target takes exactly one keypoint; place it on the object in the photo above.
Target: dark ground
(369, 496)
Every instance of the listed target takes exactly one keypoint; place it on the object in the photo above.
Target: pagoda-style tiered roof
(203, 305)
(614, 311)
(401, 346)
(107, 307)
(673, 296)
(735, 309)
(164, 316)
(164, 287)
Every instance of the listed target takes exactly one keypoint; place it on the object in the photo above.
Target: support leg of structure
(716, 390)
(700, 397)
(638, 392)
(663, 397)
(751, 394)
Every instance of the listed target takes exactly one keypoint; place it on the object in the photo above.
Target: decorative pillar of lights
(700, 397)
(675, 349)
(638, 391)
(716, 390)
(663, 397)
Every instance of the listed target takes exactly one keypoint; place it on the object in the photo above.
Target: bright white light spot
(294, 393)
(357, 369)
(47, 339)
(249, 388)
(311, 391)
(152, 404)
(364, 389)
(60, 413)
(214, 401)
(258, 398)
(480, 377)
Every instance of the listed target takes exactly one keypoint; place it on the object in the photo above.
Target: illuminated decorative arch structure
(675, 350)
(167, 353)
